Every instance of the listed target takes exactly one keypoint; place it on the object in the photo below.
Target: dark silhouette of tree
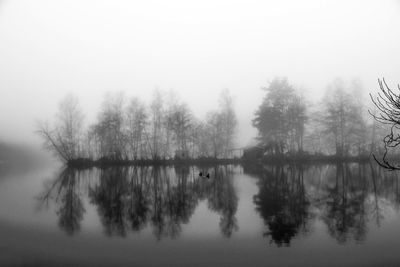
(345, 212)
(388, 106)
(282, 203)
(173, 200)
(70, 206)
(139, 200)
(222, 198)
(109, 197)
(346, 197)
(157, 217)
(280, 118)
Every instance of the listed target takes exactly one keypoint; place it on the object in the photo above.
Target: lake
(275, 215)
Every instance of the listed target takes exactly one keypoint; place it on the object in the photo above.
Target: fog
(197, 49)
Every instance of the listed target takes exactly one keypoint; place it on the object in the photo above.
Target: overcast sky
(197, 48)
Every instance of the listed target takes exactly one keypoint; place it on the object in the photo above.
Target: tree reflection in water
(343, 196)
(136, 197)
(282, 202)
(223, 199)
(355, 195)
(346, 198)
(64, 191)
(109, 196)
(139, 202)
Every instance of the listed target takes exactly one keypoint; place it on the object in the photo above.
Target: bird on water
(207, 175)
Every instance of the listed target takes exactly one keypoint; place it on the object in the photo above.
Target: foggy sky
(197, 48)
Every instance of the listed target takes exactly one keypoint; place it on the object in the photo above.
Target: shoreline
(84, 163)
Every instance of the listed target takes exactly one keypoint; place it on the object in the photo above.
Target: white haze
(197, 48)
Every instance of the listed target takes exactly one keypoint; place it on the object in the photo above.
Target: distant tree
(361, 128)
(109, 128)
(203, 138)
(214, 131)
(181, 124)
(64, 138)
(297, 118)
(156, 125)
(171, 104)
(315, 135)
(342, 119)
(217, 134)
(228, 120)
(127, 130)
(280, 118)
(136, 124)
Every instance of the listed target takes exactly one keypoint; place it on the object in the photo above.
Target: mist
(49, 49)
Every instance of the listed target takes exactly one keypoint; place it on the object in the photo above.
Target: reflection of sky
(18, 203)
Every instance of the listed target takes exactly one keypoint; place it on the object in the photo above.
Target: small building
(253, 153)
(181, 154)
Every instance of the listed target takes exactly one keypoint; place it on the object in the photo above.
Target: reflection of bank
(134, 198)
(282, 203)
(345, 196)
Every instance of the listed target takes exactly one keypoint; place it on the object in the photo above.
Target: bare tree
(228, 120)
(137, 121)
(64, 138)
(170, 108)
(109, 128)
(214, 130)
(181, 122)
(156, 121)
(388, 113)
(343, 119)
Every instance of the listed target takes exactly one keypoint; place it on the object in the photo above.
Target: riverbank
(88, 163)
(305, 159)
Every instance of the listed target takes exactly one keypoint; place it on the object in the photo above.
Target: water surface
(287, 215)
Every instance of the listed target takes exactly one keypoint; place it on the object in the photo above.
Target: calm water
(322, 215)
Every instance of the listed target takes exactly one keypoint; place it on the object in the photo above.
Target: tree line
(128, 129)
(288, 125)
(339, 125)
